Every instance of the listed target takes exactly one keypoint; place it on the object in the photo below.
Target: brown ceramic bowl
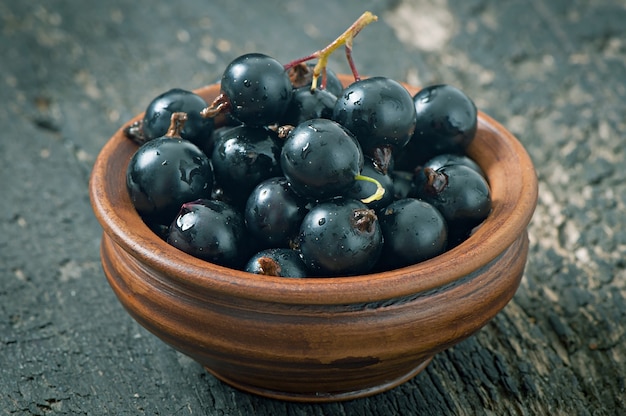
(318, 339)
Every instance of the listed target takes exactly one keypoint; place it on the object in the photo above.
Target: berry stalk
(345, 39)
(177, 125)
(380, 190)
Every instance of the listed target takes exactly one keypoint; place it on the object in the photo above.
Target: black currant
(257, 89)
(243, 157)
(447, 159)
(403, 185)
(166, 172)
(273, 213)
(211, 230)
(216, 136)
(380, 113)
(447, 120)
(281, 262)
(340, 237)
(157, 117)
(321, 159)
(460, 193)
(413, 231)
(307, 104)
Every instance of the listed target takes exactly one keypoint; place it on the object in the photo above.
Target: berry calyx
(269, 266)
(278, 262)
(364, 220)
(435, 181)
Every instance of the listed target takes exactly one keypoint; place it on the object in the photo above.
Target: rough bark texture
(553, 72)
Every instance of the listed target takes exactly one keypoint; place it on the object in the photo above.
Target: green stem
(346, 38)
(380, 191)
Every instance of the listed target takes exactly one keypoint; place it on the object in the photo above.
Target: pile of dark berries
(307, 178)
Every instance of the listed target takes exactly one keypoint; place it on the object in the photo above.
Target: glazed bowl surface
(318, 339)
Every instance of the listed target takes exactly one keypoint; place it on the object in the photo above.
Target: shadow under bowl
(318, 339)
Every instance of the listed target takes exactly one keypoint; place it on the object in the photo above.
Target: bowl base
(320, 397)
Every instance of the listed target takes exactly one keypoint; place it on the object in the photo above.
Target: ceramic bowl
(318, 339)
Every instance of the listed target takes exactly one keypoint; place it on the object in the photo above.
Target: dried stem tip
(177, 124)
(363, 220)
(220, 104)
(436, 182)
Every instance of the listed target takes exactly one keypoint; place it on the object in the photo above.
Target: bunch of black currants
(305, 180)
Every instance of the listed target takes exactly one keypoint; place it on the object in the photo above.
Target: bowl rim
(513, 182)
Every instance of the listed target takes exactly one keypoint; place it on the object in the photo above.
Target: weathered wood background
(553, 72)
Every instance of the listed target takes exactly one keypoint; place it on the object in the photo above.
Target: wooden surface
(553, 72)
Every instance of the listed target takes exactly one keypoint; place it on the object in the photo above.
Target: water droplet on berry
(305, 151)
(185, 222)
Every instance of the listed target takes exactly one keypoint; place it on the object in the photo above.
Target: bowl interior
(509, 170)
